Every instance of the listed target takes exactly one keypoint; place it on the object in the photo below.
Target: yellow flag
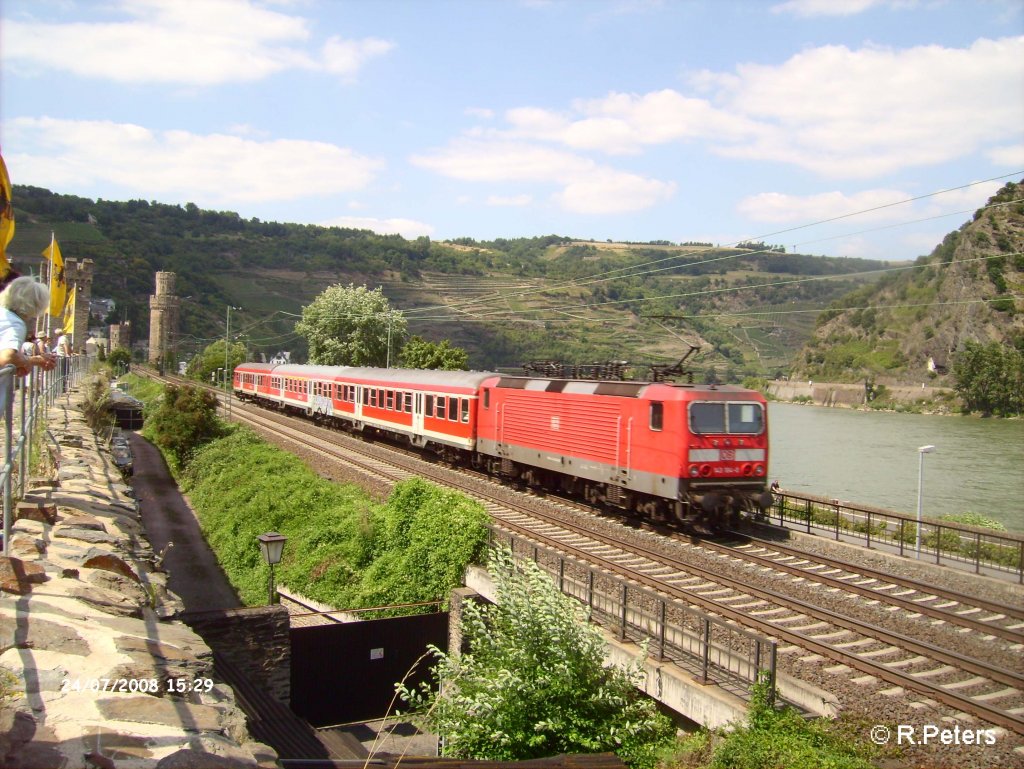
(69, 313)
(58, 282)
(6, 217)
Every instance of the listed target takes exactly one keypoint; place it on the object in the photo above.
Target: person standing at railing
(21, 302)
(62, 349)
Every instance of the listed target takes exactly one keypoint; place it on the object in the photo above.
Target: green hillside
(506, 301)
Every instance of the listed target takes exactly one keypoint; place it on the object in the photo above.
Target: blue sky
(631, 120)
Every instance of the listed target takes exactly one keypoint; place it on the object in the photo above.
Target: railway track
(989, 618)
(845, 646)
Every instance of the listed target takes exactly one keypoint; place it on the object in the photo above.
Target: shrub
(185, 420)
(343, 548)
(532, 682)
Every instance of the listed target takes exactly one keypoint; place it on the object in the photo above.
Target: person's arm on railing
(23, 363)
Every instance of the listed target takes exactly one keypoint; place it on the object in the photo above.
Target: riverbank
(924, 399)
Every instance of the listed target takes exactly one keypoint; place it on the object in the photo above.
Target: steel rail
(1008, 634)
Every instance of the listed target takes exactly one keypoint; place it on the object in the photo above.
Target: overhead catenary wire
(475, 310)
(633, 270)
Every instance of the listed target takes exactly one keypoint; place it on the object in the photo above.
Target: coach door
(417, 414)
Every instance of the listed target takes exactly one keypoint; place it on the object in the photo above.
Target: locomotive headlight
(694, 471)
(758, 469)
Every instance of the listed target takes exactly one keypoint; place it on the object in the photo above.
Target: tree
(185, 420)
(119, 360)
(990, 378)
(419, 353)
(352, 326)
(206, 363)
(532, 682)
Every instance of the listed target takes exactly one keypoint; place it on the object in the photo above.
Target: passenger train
(662, 451)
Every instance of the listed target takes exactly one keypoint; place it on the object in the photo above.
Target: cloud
(621, 124)
(1010, 155)
(613, 192)
(347, 57)
(808, 8)
(509, 200)
(837, 112)
(780, 208)
(875, 206)
(194, 43)
(493, 161)
(586, 186)
(212, 168)
(407, 228)
(859, 114)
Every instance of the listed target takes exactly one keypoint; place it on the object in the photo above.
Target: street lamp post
(272, 546)
(922, 450)
(227, 362)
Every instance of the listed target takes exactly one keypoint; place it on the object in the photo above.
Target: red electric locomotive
(661, 450)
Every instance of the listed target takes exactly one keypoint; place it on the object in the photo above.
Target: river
(872, 457)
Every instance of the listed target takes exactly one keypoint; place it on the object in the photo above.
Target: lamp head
(926, 449)
(272, 546)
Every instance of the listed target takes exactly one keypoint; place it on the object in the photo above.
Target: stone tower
(79, 273)
(164, 310)
(121, 335)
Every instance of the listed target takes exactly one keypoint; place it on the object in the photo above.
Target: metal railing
(708, 647)
(943, 543)
(24, 403)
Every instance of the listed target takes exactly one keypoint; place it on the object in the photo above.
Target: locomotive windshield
(732, 418)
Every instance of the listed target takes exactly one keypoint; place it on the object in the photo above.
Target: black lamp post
(272, 546)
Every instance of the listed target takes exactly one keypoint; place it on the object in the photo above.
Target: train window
(390, 395)
(442, 404)
(746, 418)
(657, 415)
(464, 411)
(707, 417)
(487, 399)
(428, 406)
(453, 409)
(408, 403)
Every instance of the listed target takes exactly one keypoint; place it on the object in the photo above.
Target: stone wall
(100, 671)
(255, 640)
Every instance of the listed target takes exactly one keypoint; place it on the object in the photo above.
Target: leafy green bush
(343, 548)
(772, 738)
(119, 359)
(184, 420)
(532, 682)
(974, 519)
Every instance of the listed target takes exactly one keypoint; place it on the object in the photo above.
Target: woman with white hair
(21, 302)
